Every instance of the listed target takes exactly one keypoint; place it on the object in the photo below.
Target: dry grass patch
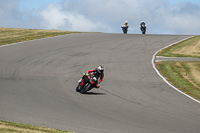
(13, 35)
(10, 127)
(190, 49)
(193, 74)
(186, 48)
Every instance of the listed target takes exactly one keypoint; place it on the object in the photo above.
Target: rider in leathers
(125, 24)
(142, 23)
(98, 73)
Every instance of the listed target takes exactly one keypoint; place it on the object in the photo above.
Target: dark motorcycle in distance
(143, 28)
(89, 81)
(124, 29)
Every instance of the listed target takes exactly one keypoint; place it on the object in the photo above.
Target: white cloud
(161, 16)
(54, 17)
(181, 18)
(106, 16)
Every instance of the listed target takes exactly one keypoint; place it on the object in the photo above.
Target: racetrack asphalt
(161, 58)
(38, 81)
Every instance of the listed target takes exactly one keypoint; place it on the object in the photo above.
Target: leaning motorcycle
(89, 81)
(124, 29)
(143, 28)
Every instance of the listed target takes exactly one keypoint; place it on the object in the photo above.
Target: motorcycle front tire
(78, 88)
(86, 87)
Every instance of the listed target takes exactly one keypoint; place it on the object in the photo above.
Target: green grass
(183, 75)
(11, 127)
(12, 35)
(179, 74)
(168, 52)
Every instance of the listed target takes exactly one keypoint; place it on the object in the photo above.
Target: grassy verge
(183, 75)
(10, 127)
(187, 48)
(12, 35)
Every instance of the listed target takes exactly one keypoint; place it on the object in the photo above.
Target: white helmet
(126, 22)
(100, 69)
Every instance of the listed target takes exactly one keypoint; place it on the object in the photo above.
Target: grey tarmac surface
(161, 58)
(38, 81)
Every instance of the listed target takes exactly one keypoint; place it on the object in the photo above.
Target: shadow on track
(94, 93)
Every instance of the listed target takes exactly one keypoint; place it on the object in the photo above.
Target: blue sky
(161, 16)
(36, 4)
(184, 1)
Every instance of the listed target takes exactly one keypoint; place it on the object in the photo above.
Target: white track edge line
(153, 64)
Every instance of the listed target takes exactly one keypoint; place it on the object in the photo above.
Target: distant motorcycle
(89, 81)
(124, 29)
(143, 28)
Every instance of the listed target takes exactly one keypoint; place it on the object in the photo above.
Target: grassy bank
(10, 127)
(187, 48)
(183, 75)
(12, 35)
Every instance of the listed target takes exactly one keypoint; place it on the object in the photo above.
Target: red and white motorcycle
(86, 83)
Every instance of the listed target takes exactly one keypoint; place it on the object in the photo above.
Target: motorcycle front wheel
(78, 87)
(85, 88)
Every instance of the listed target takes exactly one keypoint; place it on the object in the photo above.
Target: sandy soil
(193, 49)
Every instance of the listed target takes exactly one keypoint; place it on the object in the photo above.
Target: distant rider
(142, 24)
(125, 25)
